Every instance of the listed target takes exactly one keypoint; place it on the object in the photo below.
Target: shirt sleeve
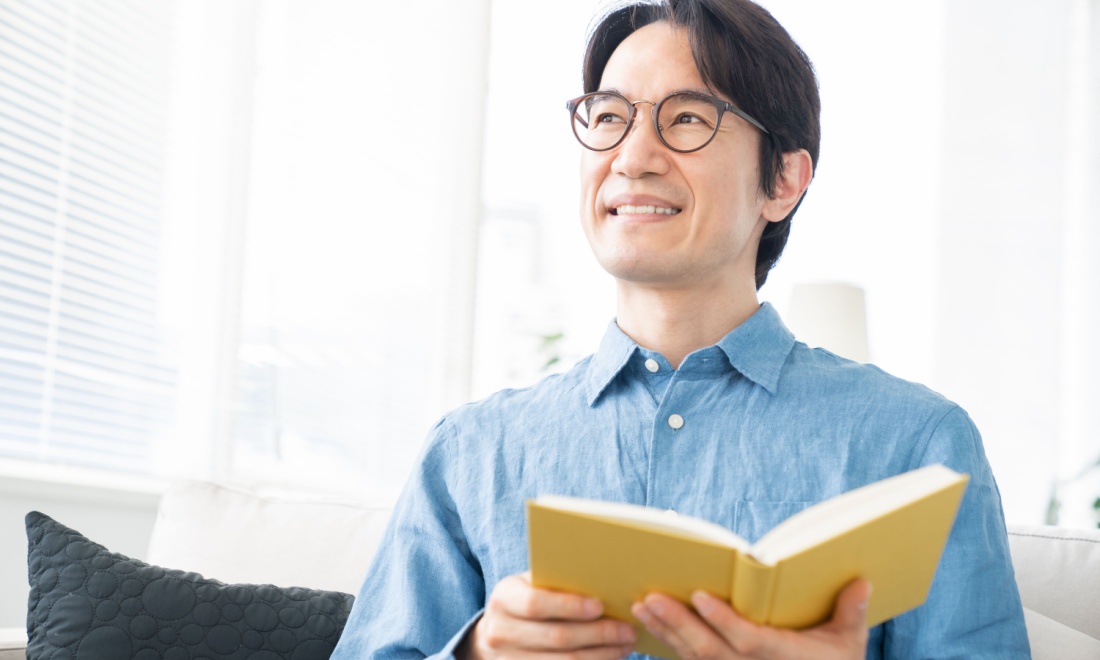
(424, 588)
(973, 608)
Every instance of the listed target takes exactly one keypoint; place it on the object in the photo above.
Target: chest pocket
(751, 520)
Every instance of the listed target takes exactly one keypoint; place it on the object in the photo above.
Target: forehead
(654, 60)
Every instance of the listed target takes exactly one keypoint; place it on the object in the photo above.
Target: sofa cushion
(1056, 571)
(87, 602)
(244, 536)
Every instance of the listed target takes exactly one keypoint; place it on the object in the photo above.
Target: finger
(511, 637)
(675, 624)
(742, 635)
(515, 596)
(604, 636)
(602, 653)
(851, 606)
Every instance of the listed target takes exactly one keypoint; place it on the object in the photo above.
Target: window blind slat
(108, 366)
(20, 301)
(34, 174)
(109, 118)
(27, 186)
(19, 259)
(35, 35)
(24, 213)
(28, 75)
(137, 171)
(135, 348)
(43, 129)
(49, 16)
(103, 183)
(17, 150)
(99, 274)
(25, 240)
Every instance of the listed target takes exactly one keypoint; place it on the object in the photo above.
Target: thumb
(851, 605)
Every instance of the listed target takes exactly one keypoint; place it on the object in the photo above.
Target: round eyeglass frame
(721, 105)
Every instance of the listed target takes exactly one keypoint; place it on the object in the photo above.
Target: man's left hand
(714, 630)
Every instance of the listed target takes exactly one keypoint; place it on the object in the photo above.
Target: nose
(641, 151)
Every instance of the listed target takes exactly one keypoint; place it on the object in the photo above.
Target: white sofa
(243, 537)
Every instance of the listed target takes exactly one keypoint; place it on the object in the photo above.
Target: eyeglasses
(685, 121)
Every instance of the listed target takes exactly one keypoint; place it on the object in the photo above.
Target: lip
(642, 200)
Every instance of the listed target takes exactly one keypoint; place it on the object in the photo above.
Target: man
(700, 128)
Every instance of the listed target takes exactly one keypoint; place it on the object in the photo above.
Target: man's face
(711, 237)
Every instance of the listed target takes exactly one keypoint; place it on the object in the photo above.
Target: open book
(891, 532)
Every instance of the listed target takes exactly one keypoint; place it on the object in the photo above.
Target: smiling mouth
(627, 209)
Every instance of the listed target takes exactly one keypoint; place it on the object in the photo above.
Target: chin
(637, 269)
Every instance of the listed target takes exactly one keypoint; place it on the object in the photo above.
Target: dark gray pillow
(88, 602)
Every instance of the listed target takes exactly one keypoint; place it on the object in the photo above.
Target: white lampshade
(832, 316)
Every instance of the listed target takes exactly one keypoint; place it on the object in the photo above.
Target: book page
(647, 518)
(849, 510)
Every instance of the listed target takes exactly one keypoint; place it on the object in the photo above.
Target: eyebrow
(686, 90)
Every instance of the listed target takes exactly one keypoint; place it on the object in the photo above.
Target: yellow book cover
(891, 532)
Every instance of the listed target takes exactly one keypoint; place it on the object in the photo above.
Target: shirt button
(675, 421)
(652, 365)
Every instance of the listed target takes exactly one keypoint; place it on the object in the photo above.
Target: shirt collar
(757, 349)
(614, 353)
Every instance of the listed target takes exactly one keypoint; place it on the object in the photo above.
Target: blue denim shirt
(769, 427)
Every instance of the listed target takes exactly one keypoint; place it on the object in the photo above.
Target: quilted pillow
(88, 602)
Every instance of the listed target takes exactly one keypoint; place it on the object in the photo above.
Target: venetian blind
(83, 101)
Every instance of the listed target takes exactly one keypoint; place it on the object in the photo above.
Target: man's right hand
(522, 620)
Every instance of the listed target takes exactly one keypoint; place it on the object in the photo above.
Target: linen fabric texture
(770, 426)
(89, 603)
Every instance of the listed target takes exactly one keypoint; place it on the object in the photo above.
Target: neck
(675, 322)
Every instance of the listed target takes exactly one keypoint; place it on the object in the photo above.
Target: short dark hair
(743, 53)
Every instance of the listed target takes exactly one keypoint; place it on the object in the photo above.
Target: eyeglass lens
(685, 121)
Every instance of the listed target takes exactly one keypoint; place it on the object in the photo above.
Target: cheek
(593, 170)
(729, 189)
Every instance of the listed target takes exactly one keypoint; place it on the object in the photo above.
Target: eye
(606, 111)
(608, 118)
(686, 118)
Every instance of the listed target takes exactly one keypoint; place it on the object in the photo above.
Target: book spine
(753, 589)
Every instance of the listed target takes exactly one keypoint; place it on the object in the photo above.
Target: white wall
(957, 186)
(1018, 294)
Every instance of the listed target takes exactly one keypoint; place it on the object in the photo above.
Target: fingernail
(703, 602)
(627, 634)
(592, 608)
(654, 605)
(867, 598)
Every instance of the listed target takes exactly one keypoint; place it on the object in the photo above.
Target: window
(85, 377)
(236, 239)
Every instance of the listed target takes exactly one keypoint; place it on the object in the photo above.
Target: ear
(798, 169)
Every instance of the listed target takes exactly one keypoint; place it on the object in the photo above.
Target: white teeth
(627, 209)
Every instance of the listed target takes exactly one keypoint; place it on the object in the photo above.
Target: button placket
(668, 433)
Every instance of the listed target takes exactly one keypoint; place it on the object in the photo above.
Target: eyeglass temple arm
(746, 117)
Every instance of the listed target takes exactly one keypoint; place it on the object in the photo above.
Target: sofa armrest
(1057, 572)
(13, 644)
(1051, 640)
